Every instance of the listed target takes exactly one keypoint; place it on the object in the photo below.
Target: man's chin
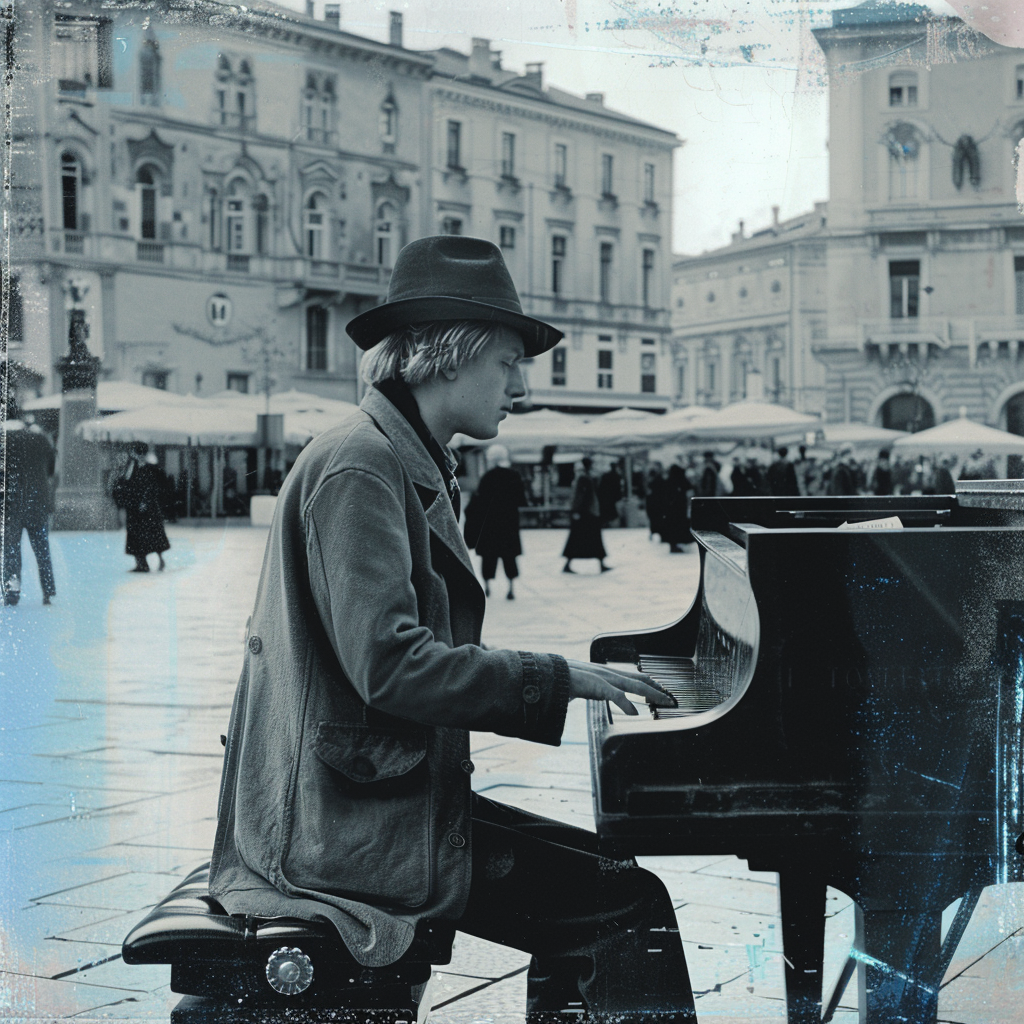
(482, 433)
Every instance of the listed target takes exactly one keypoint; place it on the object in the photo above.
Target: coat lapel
(426, 477)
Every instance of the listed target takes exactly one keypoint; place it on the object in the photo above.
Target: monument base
(84, 509)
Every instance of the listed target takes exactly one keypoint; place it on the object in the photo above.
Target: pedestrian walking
(656, 499)
(842, 480)
(584, 539)
(610, 491)
(140, 492)
(27, 504)
(881, 482)
(710, 485)
(782, 480)
(676, 531)
(492, 519)
(346, 791)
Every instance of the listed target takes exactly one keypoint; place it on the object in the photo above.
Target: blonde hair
(421, 351)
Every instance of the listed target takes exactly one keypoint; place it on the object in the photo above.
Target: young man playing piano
(346, 791)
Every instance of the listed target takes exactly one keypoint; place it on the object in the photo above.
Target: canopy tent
(284, 402)
(752, 420)
(114, 396)
(530, 432)
(648, 431)
(860, 435)
(960, 436)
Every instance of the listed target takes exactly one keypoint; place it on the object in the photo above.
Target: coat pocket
(362, 814)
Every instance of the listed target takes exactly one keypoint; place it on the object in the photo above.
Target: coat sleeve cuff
(545, 696)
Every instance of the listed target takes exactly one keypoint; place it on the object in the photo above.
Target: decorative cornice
(561, 120)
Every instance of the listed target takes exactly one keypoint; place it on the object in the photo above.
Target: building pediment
(151, 149)
(318, 172)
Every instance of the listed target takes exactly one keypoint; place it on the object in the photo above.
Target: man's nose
(516, 386)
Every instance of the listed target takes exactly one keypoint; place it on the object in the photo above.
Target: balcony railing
(238, 262)
(933, 330)
(74, 243)
(323, 268)
(149, 252)
(320, 136)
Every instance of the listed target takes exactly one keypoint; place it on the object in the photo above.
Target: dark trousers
(489, 566)
(602, 933)
(39, 538)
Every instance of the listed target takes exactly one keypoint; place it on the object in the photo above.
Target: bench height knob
(289, 971)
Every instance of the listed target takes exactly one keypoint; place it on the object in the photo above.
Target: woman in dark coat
(492, 519)
(585, 532)
(656, 499)
(676, 528)
(140, 493)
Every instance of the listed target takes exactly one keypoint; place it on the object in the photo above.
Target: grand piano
(850, 713)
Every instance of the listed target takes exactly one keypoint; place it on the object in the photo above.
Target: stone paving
(112, 703)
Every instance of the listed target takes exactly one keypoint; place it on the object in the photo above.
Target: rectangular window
(155, 379)
(508, 155)
(1020, 85)
(316, 338)
(712, 384)
(507, 236)
(604, 368)
(681, 381)
(647, 277)
(561, 162)
(1018, 278)
(607, 180)
(238, 382)
(557, 264)
(776, 374)
(605, 278)
(648, 378)
(904, 288)
(451, 226)
(647, 341)
(455, 145)
(81, 53)
(648, 183)
(558, 367)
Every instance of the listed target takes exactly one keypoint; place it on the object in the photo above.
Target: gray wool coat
(345, 793)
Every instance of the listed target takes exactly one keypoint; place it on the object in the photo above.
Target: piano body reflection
(850, 706)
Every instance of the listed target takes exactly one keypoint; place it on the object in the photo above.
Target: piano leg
(901, 966)
(802, 899)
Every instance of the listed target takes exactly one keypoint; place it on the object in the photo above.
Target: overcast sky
(741, 83)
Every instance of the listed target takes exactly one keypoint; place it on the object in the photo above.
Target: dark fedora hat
(451, 277)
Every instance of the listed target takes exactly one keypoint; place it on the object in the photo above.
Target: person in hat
(346, 790)
(140, 492)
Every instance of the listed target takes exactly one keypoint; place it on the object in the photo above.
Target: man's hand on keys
(599, 682)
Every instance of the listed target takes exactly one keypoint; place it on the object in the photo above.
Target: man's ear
(450, 374)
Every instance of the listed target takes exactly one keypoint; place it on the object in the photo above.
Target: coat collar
(422, 469)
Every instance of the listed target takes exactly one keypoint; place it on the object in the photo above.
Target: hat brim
(367, 329)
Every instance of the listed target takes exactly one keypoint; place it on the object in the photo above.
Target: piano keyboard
(678, 676)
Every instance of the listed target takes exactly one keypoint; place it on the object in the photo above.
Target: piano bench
(239, 969)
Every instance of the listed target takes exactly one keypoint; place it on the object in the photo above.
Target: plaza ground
(112, 704)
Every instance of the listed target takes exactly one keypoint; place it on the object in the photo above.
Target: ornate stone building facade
(579, 198)
(745, 317)
(204, 174)
(203, 181)
(926, 244)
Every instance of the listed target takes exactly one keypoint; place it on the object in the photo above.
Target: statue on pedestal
(81, 503)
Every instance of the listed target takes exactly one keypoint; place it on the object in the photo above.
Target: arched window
(314, 225)
(71, 190)
(903, 89)
(904, 147)
(385, 232)
(907, 411)
(149, 73)
(147, 180)
(261, 217)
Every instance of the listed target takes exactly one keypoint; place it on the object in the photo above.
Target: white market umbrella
(114, 396)
(154, 424)
(864, 434)
(961, 436)
(651, 431)
(530, 432)
(754, 420)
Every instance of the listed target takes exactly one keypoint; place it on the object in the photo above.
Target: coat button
(468, 767)
(362, 767)
(457, 840)
(255, 644)
(531, 694)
